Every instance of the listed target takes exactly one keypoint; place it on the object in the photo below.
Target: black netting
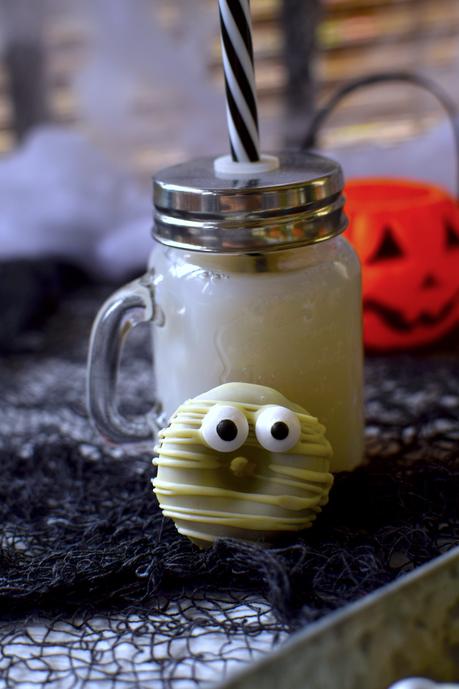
(83, 533)
(95, 587)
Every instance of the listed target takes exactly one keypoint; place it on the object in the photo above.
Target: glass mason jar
(249, 281)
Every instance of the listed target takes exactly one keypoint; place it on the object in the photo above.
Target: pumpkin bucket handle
(310, 140)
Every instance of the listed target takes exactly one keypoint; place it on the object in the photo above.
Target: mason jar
(249, 280)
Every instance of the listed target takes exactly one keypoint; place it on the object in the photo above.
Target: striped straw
(241, 104)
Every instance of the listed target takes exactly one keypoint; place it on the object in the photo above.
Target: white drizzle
(195, 485)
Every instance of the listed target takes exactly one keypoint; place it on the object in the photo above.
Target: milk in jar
(291, 321)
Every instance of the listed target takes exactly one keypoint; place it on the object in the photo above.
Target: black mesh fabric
(97, 589)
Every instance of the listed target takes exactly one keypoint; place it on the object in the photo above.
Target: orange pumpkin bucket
(407, 236)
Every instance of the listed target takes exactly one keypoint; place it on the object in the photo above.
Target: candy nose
(241, 466)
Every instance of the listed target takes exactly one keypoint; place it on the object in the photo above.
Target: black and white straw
(238, 65)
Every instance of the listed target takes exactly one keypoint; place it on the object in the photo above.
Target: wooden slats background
(354, 37)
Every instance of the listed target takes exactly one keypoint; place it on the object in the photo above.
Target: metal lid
(299, 203)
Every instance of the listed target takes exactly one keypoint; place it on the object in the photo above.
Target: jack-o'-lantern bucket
(407, 236)
(406, 233)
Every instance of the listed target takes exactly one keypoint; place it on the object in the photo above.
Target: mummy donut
(242, 461)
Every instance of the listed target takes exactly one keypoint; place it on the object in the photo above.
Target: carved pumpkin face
(407, 237)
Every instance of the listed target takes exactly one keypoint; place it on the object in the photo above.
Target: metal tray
(410, 627)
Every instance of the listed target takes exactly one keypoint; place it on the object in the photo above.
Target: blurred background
(143, 78)
(95, 95)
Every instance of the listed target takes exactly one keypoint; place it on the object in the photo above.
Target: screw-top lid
(300, 202)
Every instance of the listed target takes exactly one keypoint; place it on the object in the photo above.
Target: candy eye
(224, 428)
(277, 429)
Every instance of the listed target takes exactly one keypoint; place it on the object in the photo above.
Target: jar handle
(132, 304)
(310, 140)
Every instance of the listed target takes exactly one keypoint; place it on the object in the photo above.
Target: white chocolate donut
(215, 478)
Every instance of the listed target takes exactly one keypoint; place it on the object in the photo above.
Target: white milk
(295, 328)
